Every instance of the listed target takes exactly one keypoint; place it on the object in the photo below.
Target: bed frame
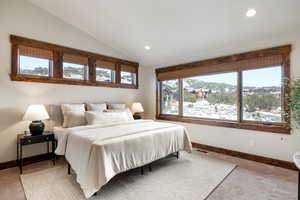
(176, 154)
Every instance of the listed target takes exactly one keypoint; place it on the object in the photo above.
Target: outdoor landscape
(218, 101)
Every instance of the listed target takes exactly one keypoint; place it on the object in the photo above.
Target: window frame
(56, 74)
(274, 127)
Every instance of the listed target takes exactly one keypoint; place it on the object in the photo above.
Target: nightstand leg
(150, 167)
(18, 154)
(21, 159)
(142, 170)
(48, 149)
(53, 153)
(69, 169)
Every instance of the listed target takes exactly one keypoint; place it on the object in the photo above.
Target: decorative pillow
(93, 117)
(117, 106)
(96, 107)
(72, 119)
(126, 110)
(73, 112)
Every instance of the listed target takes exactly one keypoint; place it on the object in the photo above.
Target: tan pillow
(73, 112)
(72, 119)
(126, 110)
(116, 106)
(96, 107)
(93, 117)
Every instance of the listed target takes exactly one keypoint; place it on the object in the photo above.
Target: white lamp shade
(36, 113)
(137, 107)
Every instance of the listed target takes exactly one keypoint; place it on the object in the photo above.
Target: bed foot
(142, 170)
(69, 169)
(177, 154)
(150, 167)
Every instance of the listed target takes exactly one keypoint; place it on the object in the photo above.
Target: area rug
(192, 177)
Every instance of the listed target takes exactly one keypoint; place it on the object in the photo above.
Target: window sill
(41, 79)
(257, 126)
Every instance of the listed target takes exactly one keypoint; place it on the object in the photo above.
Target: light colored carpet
(192, 177)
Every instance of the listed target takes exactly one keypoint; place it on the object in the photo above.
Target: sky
(31, 63)
(255, 78)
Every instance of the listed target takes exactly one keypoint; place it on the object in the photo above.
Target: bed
(98, 152)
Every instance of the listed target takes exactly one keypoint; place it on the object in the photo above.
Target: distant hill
(196, 84)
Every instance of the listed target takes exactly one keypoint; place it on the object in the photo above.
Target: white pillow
(126, 110)
(72, 119)
(96, 107)
(117, 106)
(93, 117)
(73, 112)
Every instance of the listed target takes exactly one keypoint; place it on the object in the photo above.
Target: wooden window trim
(57, 74)
(282, 128)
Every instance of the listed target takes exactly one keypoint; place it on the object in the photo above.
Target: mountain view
(218, 100)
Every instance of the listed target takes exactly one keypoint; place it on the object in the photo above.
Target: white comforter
(99, 152)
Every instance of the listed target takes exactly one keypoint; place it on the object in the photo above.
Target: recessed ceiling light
(251, 13)
(147, 47)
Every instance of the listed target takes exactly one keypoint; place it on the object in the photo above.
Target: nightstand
(23, 140)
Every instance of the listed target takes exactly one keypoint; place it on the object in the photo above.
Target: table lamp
(137, 109)
(36, 113)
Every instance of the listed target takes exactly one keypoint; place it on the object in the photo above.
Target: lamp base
(36, 128)
(137, 116)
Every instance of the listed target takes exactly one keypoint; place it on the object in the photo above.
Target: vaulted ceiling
(177, 30)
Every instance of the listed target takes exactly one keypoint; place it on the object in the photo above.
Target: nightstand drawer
(36, 139)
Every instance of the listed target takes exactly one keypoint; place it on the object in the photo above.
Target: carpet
(192, 177)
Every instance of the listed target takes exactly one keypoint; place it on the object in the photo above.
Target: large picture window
(240, 91)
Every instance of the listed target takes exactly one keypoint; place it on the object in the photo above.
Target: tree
(261, 102)
(189, 97)
(221, 98)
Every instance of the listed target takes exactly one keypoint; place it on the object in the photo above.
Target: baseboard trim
(26, 161)
(247, 156)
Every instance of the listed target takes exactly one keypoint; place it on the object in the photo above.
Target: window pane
(104, 75)
(170, 97)
(262, 94)
(73, 71)
(128, 78)
(211, 96)
(34, 66)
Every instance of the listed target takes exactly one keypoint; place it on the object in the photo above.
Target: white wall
(22, 18)
(271, 145)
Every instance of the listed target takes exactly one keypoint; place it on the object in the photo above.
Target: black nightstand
(137, 117)
(23, 140)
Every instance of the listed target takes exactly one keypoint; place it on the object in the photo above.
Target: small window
(75, 67)
(211, 96)
(262, 94)
(128, 75)
(170, 97)
(34, 61)
(105, 71)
